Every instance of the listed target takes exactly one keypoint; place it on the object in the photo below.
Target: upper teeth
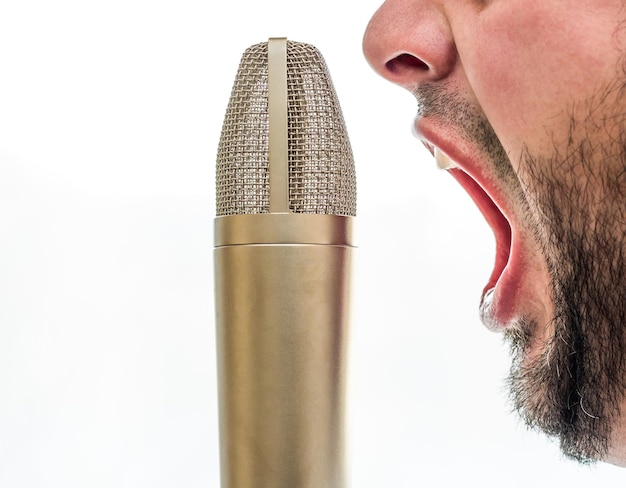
(443, 161)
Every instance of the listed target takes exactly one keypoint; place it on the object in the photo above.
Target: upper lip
(486, 191)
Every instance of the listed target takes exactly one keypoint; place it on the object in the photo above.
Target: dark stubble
(576, 209)
(575, 389)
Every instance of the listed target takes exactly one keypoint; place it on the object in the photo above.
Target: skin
(528, 99)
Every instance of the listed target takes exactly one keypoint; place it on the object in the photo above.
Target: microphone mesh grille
(321, 165)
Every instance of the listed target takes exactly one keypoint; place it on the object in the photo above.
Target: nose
(409, 42)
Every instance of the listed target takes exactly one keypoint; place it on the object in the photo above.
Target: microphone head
(321, 176)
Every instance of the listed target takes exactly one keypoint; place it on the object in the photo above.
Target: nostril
(406, 62)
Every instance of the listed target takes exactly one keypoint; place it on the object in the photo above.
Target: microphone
(286, 200)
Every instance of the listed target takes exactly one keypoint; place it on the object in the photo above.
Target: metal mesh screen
(321, 165)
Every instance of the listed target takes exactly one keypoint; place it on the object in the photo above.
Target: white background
(110, 115)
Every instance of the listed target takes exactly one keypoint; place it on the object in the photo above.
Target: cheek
(526, 72)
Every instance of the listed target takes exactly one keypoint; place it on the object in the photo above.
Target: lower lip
(510, 291)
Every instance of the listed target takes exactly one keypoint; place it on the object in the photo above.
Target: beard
(574, 389)
(575, 205)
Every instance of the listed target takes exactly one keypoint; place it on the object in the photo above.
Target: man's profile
(524, 102)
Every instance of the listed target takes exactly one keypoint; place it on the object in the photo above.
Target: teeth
(443, 161)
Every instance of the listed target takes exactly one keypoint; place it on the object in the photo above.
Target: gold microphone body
(282, 322)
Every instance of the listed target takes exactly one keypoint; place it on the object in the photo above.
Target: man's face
(528, 101)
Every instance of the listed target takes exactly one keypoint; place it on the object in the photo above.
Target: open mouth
(494, 217)
(485, 195)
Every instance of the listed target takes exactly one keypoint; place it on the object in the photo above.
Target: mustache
(442, 102)
(437, 100)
